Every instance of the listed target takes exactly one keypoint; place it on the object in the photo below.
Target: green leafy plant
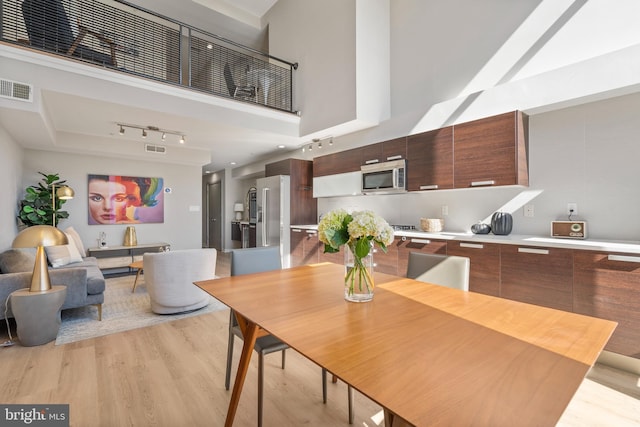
(37, 207)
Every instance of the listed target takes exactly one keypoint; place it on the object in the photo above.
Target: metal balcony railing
(129, 39)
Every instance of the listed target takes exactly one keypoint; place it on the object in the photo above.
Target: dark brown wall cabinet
(342, 162)
(430, 160)
(491, 151)
(394, 149)
(304, 208)
(486, 152)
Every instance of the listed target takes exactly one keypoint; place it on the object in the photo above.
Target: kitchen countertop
(626, 246)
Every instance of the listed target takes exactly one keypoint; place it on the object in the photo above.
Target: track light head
(144, 133)
(121, 130)
(182, 139)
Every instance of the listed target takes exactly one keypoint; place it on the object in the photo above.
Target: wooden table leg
(250, 332)
(135, 282)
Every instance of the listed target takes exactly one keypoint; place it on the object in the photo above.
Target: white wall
(586, 154)
(326, 39)
(181, 227)
(11, 177)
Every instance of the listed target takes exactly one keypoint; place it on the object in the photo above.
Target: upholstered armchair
(169, 278)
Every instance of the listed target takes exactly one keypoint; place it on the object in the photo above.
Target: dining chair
(247, 261)
(255, 260)
(444, 270)
(238, 91)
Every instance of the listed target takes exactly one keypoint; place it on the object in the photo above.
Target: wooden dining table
(427, 354)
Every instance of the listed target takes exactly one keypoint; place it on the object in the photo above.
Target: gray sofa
(84, 280)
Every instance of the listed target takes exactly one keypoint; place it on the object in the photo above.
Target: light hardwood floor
(172, 374)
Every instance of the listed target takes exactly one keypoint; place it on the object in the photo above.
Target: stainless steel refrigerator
(274, 210)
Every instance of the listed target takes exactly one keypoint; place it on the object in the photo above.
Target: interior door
(214, 220)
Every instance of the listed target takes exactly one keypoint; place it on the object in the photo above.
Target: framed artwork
(115, 199)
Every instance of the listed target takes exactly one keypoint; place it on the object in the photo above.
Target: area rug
(121, 311)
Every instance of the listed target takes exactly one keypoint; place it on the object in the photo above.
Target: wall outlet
(528, 211)
(445, 210)
(572, 209)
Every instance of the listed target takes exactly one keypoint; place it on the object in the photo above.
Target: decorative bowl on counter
(480, 228)
(432, 225)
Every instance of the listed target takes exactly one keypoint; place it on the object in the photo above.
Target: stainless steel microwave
(385, 177)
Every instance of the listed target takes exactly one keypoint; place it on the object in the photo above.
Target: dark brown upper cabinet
(491, 151)
(430, 160)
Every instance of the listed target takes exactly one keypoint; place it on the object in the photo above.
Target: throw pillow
(59, 256)
(16, 261)
(71, 232)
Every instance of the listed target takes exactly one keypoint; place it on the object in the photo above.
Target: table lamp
(38, 237)
(239, 209)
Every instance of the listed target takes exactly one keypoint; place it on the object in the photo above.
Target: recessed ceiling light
(280, 146)
(232, 163)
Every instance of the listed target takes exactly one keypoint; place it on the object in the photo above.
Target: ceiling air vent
(15, 90)
(150, 148)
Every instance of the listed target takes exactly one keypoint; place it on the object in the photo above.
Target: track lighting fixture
(146, 129)
(318, 141)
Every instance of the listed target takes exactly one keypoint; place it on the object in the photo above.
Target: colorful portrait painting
(117, 199)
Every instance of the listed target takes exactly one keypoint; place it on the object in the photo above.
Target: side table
(37, 314)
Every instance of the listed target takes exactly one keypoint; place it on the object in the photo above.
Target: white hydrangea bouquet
(359, 231)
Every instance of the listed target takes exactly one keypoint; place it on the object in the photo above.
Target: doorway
(214, 215)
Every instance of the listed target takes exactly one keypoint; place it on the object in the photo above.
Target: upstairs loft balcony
(127, 39)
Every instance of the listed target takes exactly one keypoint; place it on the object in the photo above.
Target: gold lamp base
(130, 238)
(40, 281)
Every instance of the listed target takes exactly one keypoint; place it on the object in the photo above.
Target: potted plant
(37, 207)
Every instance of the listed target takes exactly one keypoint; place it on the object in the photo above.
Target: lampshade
(65, 193)
(238, 207)
(38, 237)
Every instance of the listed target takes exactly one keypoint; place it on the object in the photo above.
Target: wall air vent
(150, 148)
(15, 90)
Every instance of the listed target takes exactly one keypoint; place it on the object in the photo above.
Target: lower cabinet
(387, 262)
(607, 285)
(484, 276)
(598, 284)
(304, 247)
(412, 244)
(541, 276)
(252, 235)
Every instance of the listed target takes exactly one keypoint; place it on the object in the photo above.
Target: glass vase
(358, 278)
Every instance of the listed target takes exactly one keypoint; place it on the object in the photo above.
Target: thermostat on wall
(569, 229)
